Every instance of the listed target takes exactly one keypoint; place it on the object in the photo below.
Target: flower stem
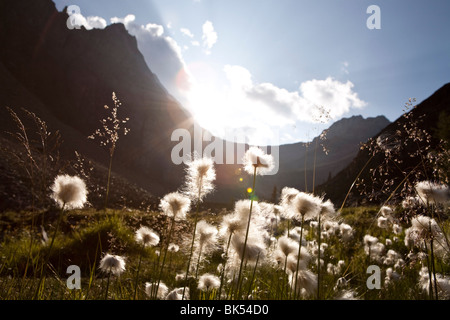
(198, 261)
(165, 254)
(224, 265)
(253, 276)
(109, 180)
(107, 283)
(192, 247)
(298, 256)
(246, 234)
(318, 260)
(137, 273)
(44, 267)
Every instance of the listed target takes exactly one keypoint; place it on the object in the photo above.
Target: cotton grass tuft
(112, 264)
(69, 192)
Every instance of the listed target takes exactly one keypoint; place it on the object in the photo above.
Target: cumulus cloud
(266, 110)
(161, 52)
(209, 36)
(303, 105)
(76, 20)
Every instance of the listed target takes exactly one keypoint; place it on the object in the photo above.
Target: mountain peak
(366, 127)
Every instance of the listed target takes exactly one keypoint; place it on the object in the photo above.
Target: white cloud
(209, 36)
(344, 67)
(92, 22)
(187, 32)
(266, 112)
(96, 22)
(336, 96)
(162, 54)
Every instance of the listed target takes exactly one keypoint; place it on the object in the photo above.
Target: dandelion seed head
(69, 192)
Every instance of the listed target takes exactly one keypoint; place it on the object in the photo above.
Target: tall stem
(298, 256)
(430, 290)
(432, 264)
(314, 166)
(137, 273)
(107, 283)
(253, 276)
(306, 156)
(198, 261)
(318, 261)
(165, 254)
(44, 267)
(224, 264)
(109, 179)
(246, 233)
(192, 246)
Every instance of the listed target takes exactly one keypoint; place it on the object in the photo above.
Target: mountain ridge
(67, 76)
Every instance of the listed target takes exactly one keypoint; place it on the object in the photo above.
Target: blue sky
(269, 70)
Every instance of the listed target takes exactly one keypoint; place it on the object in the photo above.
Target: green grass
(86, 235)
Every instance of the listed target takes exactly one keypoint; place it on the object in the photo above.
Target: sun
(206, 104)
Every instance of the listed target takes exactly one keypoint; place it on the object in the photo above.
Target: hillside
(403, 152)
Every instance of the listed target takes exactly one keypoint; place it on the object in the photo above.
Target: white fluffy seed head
(206, 233)
(69, 192)
(200, 175)
(177, 294)
(306, 205)
(287, 246)
(175, 205)
(208, 281)
(162, 290)
(112, 264)
(287, 197)
(256, 158)
(306, 282)
(147, 237)
(231, 223)
(432, 193)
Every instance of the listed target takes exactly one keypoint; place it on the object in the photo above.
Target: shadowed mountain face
(67, 76)
(407, 151)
